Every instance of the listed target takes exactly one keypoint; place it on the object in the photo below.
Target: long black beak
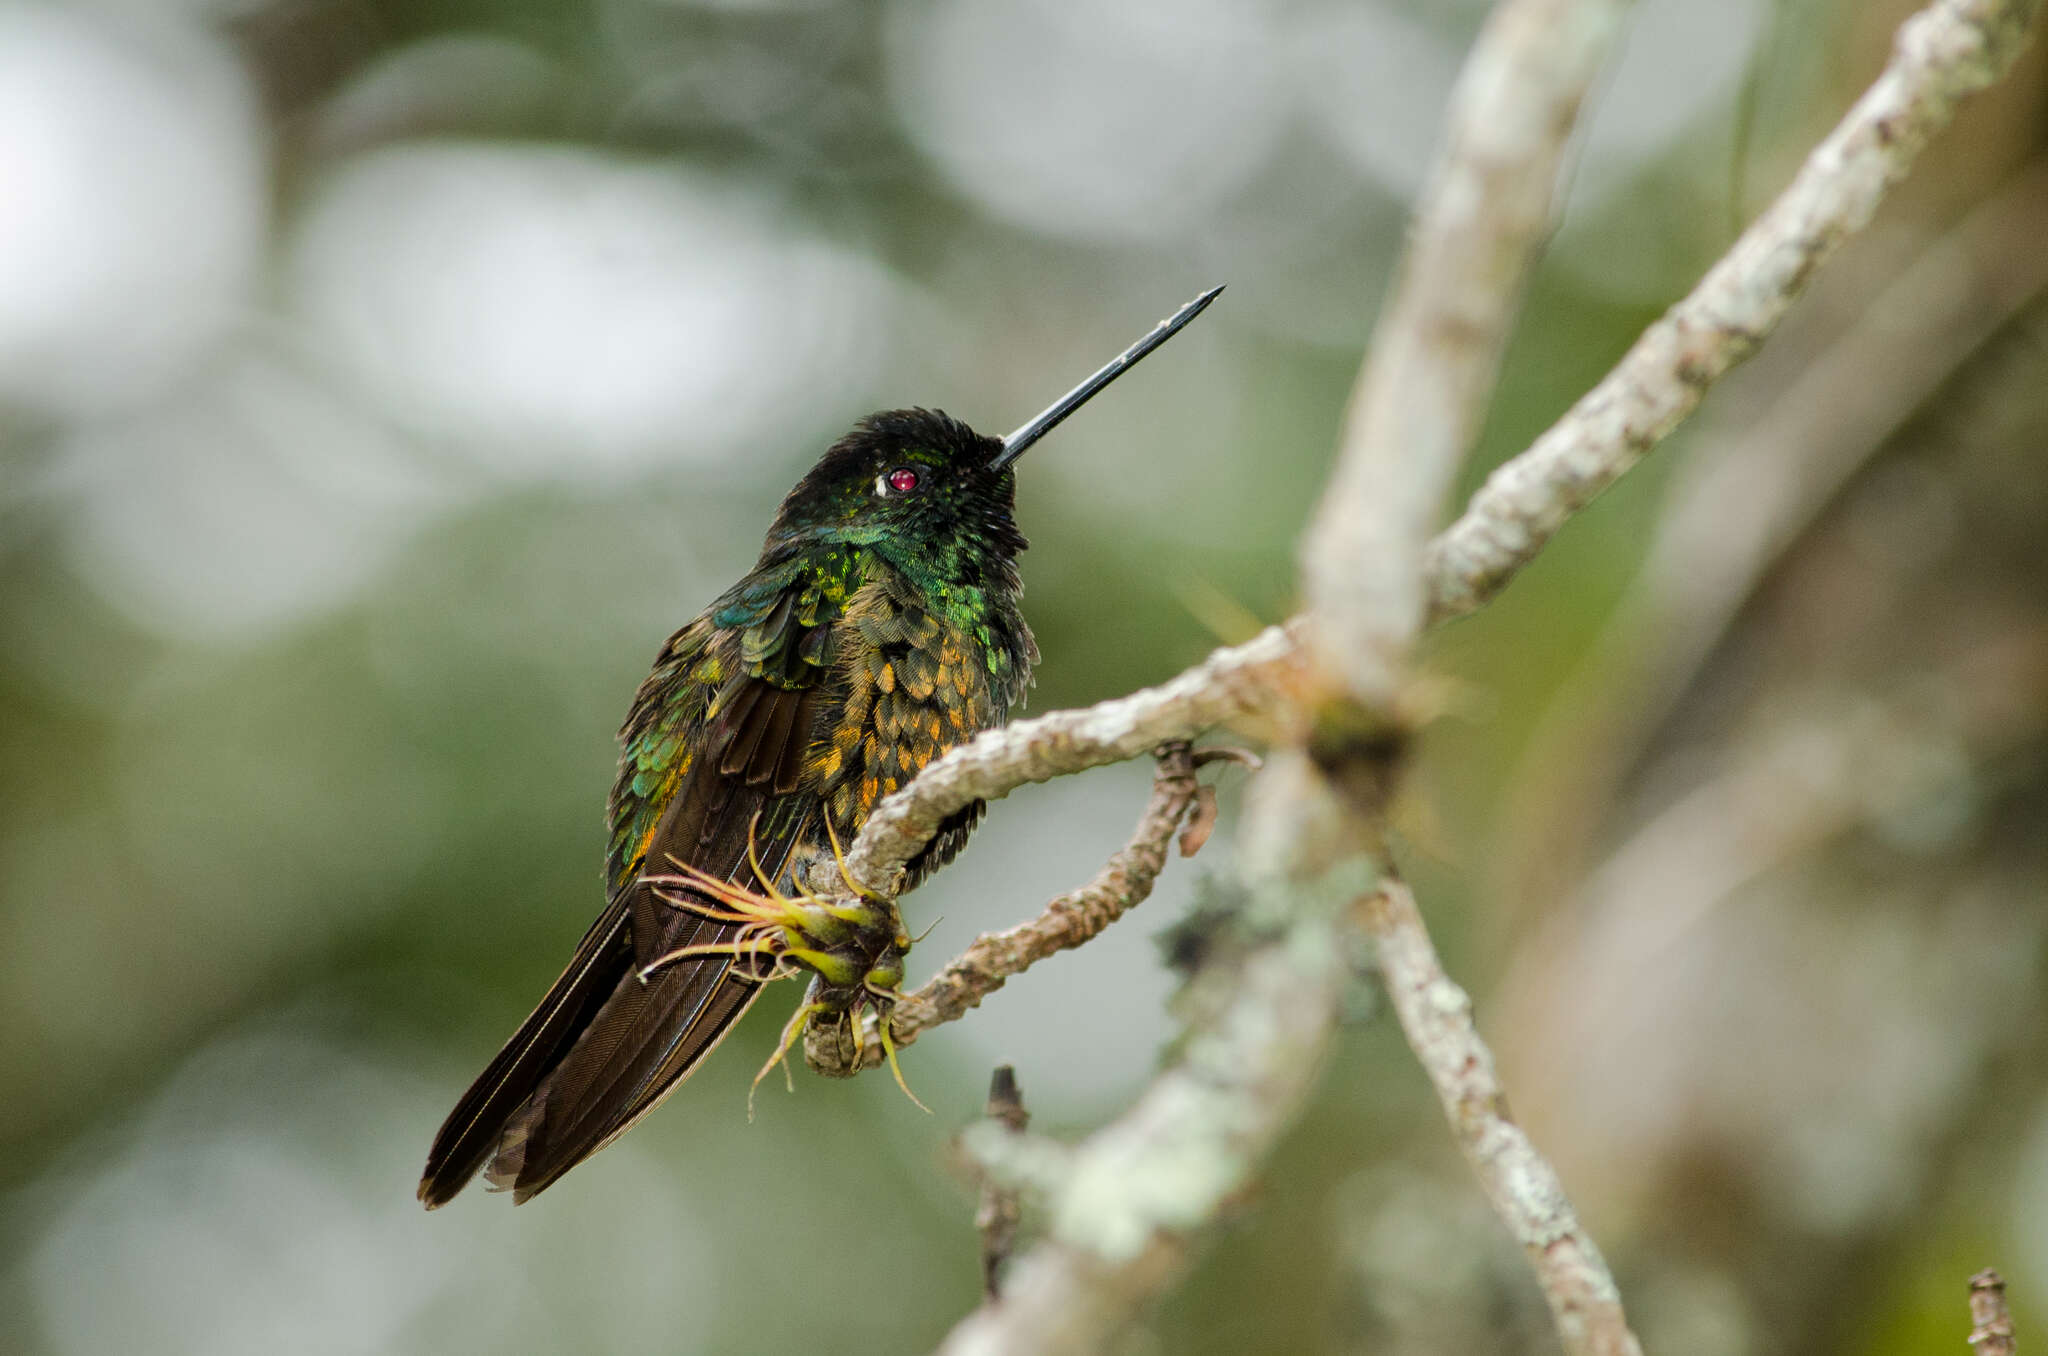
(1014, 445)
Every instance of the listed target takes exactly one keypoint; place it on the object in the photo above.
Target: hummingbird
(879, 628)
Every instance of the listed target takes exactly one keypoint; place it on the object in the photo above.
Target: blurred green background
(382, 380)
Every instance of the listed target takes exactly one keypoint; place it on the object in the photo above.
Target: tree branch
(1068, 921)
(831, 1048)
(1747, 491)
(1436, 1015)
(1943, 54)
(1430, 370)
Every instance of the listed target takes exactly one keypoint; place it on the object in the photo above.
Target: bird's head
(914, 482)
(925, 488)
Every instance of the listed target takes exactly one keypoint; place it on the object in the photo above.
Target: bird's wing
(715, 747)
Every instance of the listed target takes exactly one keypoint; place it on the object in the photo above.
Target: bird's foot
(791, 1030)
(846, 1008)
(857, 967)
(854, 944)
(842, 937)
(837, 1002)
(849, 943)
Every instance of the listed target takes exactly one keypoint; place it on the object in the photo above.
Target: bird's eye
(902, 480)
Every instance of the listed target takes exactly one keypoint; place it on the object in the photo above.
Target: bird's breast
(914, 686)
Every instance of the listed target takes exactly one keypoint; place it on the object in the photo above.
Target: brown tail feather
(539, 1146)
(472, 1129)
(606, 1046)
(601, 1051)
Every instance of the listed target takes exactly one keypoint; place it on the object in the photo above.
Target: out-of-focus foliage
(381, 381)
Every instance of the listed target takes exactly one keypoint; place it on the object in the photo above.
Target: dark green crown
(918, 482)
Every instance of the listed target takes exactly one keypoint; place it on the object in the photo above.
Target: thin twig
(997, 957)
(1068, 921)
(1525, 1191)
(1746, 493)
(1990, 1323)
(1943, 54)
(996, 1217)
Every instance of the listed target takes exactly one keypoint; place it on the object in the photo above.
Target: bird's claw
(855, 944)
